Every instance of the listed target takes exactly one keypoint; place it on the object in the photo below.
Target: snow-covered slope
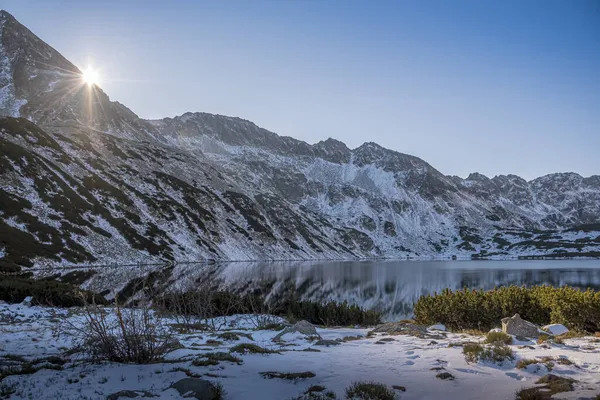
(84, 180)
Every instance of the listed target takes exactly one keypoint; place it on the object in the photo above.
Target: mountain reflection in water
(388, 286)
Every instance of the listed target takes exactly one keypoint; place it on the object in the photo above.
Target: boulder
(302, 327)
(517, 326)
(437, 327)
(555, 329)
(200, 389)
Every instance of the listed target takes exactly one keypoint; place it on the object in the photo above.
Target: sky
(497, 87)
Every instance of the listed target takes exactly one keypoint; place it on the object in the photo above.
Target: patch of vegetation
(272, 327)
(316, 392)
(446, 376)
(217, 357)
(133, 335)
(210, 304)
(370, 391)
(291, 376)
(477, 309)
(472, 351)
(46, 292)
(231, 336)
(212, 342)
(251, 348)
(186, 371)
(523, 363)
(498, 337)
(557, 384)
(553, 384)
(497, 352)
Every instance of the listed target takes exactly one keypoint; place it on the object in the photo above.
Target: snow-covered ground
(35, 332)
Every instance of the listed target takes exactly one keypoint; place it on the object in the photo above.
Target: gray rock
(517, 326)
(197, 388)
(303, 327)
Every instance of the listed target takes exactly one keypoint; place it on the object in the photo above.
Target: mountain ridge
(85, 180)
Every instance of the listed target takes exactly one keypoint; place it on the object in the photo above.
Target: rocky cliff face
(85, 180)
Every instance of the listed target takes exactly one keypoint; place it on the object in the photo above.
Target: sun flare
(90, 76)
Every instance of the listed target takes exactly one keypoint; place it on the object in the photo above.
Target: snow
(35, 332)
(555, 329)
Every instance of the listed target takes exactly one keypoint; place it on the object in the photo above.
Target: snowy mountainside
(84, 180)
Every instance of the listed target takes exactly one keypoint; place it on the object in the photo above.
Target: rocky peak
(476, 176)
(333, 150)
(38, 83)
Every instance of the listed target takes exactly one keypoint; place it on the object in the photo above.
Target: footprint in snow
(410, 352)
(409, 363)
(516, 376)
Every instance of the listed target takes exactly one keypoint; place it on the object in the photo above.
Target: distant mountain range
(84, 180)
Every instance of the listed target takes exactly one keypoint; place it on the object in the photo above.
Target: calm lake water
(385, 285)
(389, 286)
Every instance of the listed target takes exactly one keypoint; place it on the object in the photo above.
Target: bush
(45, 292)
(205, 304)
(498, 337)
(331, 313)
(497, 352)
(134, 335)
(476, 309)
(369, 391)
(251, 348)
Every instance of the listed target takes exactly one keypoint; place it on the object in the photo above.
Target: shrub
(523, 363)
(498, 337)
(446, 376)
(369, 391)
(291, 376)
(45, 292)
(498, 352)
(205, 304)
(472, 352)
(251, 348)
(122, 335)
(476, 309)
(331, 313)
(214, 359)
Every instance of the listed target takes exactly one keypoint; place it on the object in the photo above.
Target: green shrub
(46, 292)
(251, 348)
(472, 352)
(369, 391)
(498, 337)
(497, 352)
(476, 309)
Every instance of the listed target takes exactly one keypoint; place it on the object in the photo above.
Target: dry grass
(370, 391)
(251, 348)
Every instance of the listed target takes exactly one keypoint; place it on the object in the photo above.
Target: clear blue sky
(496, 87)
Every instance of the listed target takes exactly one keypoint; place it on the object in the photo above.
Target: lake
(386, 285)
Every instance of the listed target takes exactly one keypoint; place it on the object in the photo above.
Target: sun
(90, 76)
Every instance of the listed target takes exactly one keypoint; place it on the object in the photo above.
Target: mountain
(84, 180)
